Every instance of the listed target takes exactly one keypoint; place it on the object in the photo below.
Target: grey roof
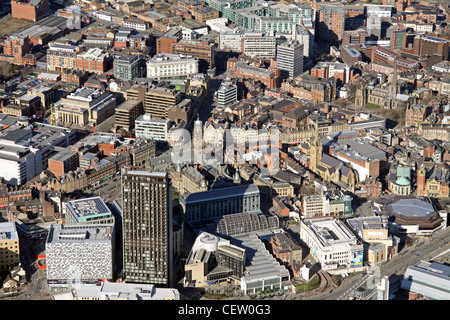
(412, 207)
(220, 193)
(430, 279)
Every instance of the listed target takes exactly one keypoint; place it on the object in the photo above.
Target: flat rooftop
(80, 233)
(88, 207)
(8, 231)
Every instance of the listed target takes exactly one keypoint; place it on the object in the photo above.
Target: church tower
(315, 154)
(421, 177)
(393, 88)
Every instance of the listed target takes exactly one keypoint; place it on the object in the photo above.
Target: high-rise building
(290, 59)
(426, 45)
(127, 67)
(153, 128)
(202, 50)
(127, 113)
(330, 28)
(18, 47)
(147, 227)
(156, 99)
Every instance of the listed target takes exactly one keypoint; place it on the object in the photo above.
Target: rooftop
(77, 233)
(222, 193)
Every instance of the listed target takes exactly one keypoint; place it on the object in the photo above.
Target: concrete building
(290, 59)
(410, 215)
(127, 67)
(127, 112)
(85, 105)
(79, 253)
(213, 259)
(154, 128)
(164, 65)
(147, 211)
(315, 206)
(118, 291)
(9, 244)
(263, 271)
(157, 100)
(379, 245)
(331, 243)
(226, 94)
(24, 153)
(259, 45)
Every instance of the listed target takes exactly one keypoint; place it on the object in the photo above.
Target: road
(428, 250)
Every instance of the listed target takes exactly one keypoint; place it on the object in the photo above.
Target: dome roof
(402, 181)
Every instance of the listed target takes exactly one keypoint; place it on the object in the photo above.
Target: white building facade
(331, 243)
(79, 253)
(163, 66)
(148, 127)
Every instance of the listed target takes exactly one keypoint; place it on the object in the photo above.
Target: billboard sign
(357, 258)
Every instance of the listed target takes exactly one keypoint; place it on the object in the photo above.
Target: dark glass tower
(147, 227)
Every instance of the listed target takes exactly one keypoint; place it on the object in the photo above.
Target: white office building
(381, 11)
(331, 243)
(290, 59)
(163, 66)
(259, 45)
(231, 40)
(315, 206)
(148, 127)
(79, 253)
(227, 94)
(24, 152)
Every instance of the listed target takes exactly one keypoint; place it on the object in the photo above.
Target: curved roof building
(413, 211)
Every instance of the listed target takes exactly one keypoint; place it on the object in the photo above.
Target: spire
(394, 80)
(316, 132)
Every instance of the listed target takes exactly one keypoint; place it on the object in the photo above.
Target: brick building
(426, 45)
(93, 60)
(18, 47)
(32, 10)
(415, 115)
(285, 249)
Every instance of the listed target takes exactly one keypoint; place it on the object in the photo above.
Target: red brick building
(17, 47)
(285, 249)
(415, 115)
(425, 45)
(93, 60)
(32, 10)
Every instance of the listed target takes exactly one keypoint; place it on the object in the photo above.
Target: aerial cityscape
(224, 151)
